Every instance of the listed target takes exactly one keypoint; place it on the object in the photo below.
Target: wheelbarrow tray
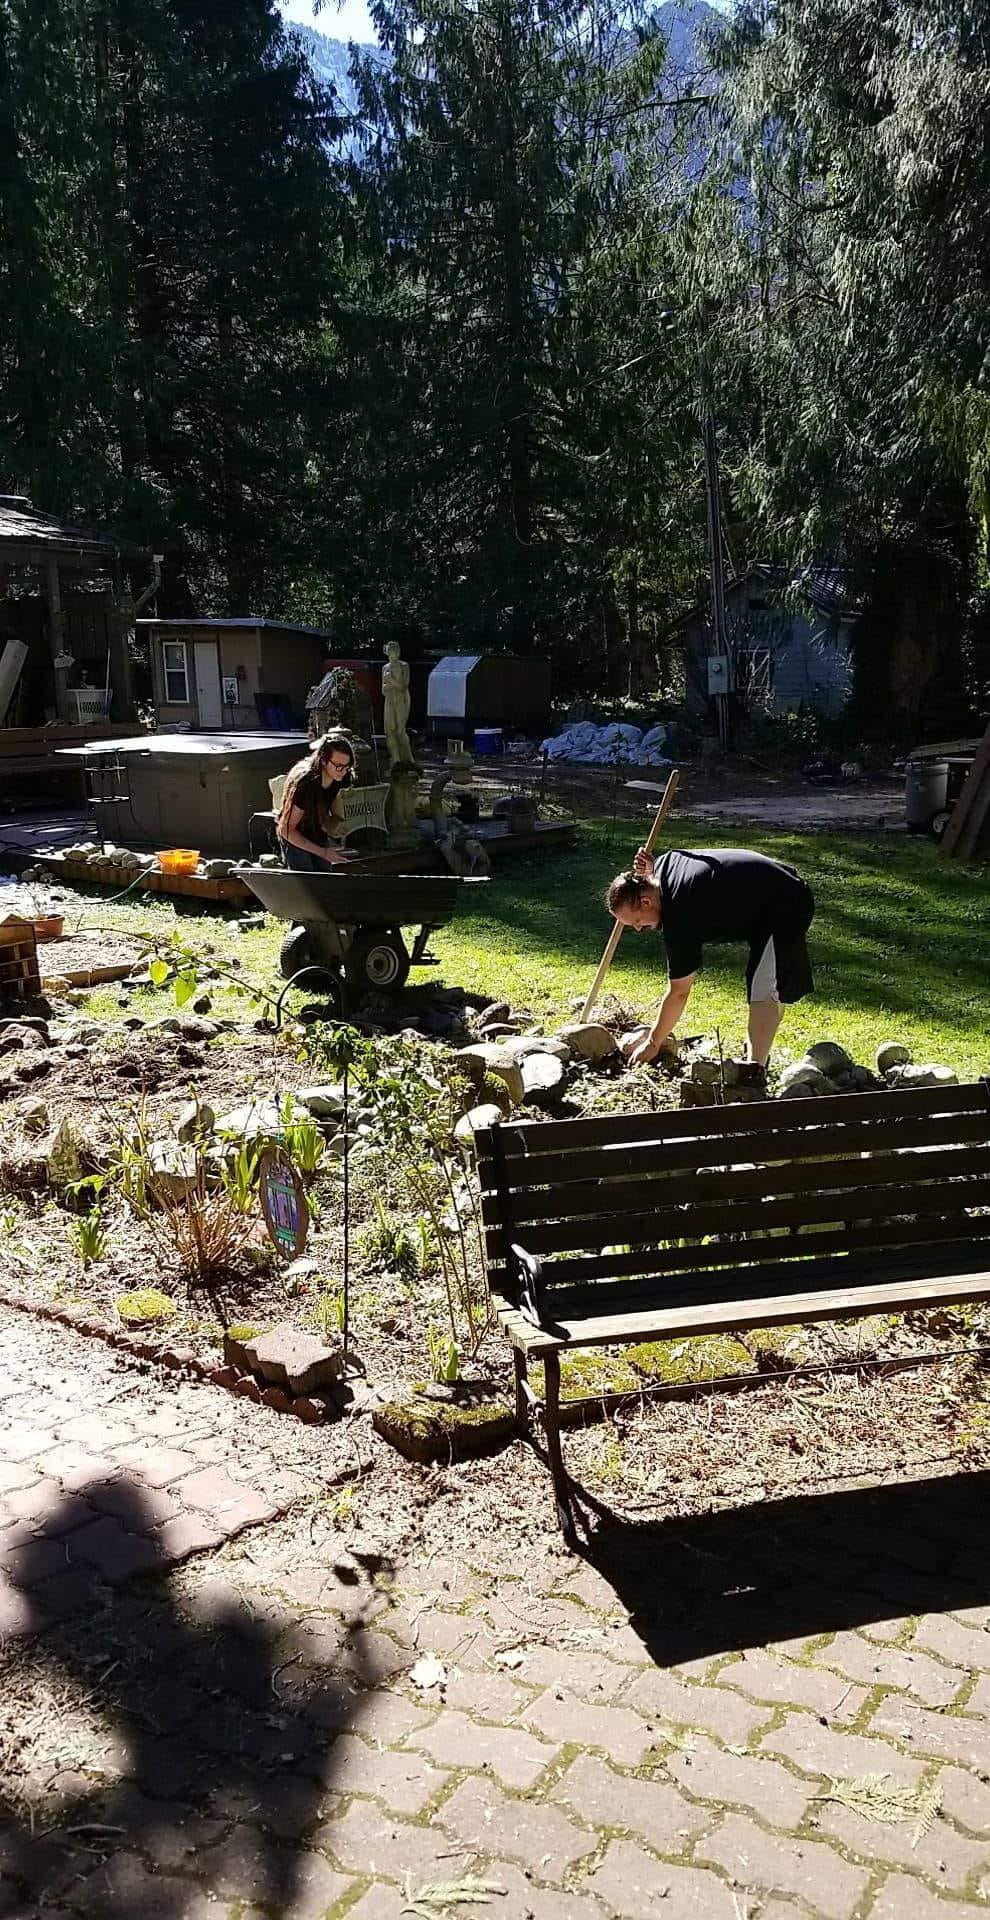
(357, 899)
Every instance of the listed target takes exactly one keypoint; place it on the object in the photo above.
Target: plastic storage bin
(178, 860)
(488, 740)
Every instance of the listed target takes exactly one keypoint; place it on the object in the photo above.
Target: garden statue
(403, 823)
(395, 687)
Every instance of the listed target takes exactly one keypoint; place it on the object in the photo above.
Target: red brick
(633, 1884)
(805, 1868)
(784, 1684)
(949, 1736)
(232, 1504)
(652, 1810)
(932, 1683)
(120, 1498)
(114, 1552)
(947, 1858)
(158, 1466)
(625, 1735)
(185, 1534)
(402, 1780)
(837, 1756)
(966, 1798)
(718, 1710)
(512, 1754)
(536, 1835)
(901, 1898)
(367, 1840)
(738, 1780)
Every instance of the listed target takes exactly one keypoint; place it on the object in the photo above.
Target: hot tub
(186, 789)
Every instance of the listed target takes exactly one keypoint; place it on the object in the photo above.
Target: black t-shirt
(315, 802)
(728, 894)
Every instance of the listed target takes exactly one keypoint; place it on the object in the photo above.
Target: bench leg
(561, 1483)
(522, 1398)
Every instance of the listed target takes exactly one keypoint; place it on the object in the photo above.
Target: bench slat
(696, 1190)
(618, 1228)
(759, 1252)
(593, 1163)
(775, 1119)
(604, 1330)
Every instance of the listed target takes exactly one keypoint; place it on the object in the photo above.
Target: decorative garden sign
(283, 1201)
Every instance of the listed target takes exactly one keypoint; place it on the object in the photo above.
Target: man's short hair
(627, 890)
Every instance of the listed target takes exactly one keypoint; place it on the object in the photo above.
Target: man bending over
(707, 896)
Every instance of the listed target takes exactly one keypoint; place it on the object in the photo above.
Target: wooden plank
(609, 1268)
(771, 1119)
(888, 1296)
(957, 836)
(694, 1191)
(810, 1144)
(673, 1223)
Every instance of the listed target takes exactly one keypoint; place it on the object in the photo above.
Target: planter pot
(48, 926)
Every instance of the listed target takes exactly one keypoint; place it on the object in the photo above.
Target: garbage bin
(926, 786)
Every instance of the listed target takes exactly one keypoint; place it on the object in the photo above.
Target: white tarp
(617, 745)
(446, 696)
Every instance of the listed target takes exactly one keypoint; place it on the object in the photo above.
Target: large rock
(324, 1102)
(922, 1076)
(493, 1015)
(830, 1058)
(805, 1076)
(257, 1120)
(543, 1077)
(892, 1054)
(195, 1118)
(487, 1115)
(534, 1043)
(173, 1168)
(490, 1057)
(589, 1041)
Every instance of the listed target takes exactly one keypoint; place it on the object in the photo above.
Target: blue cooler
(488, 740)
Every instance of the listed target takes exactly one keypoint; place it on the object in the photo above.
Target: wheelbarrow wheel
(377, 961)
(296, 951)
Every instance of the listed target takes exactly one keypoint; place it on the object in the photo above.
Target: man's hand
(643, 864)
(643, 1053)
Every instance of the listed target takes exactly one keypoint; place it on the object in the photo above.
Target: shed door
(208, 683)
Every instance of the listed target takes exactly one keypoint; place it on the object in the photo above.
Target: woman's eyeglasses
(338, 766)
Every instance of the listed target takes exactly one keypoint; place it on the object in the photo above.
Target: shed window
(175, 672)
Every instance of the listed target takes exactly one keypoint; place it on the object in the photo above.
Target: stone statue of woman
(395, 687)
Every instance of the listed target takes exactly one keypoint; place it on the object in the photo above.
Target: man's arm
(671, 1007)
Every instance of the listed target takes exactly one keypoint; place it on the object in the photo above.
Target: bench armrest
(529, 1280)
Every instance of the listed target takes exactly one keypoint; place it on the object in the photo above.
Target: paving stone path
(766, 1715)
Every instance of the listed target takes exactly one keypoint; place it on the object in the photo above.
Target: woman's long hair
(330, 743)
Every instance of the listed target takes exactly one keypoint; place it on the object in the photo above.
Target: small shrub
(145, 1307)
(239, 1175)
(445, 1361)
(391, 1243)
(330, 1314)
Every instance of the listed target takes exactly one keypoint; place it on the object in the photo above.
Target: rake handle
(618, 930)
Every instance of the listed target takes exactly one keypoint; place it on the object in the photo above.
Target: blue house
(789, 641)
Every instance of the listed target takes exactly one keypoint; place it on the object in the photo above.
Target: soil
(88, 951)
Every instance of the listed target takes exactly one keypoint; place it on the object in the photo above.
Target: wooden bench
(640, 1227)
(26, 751)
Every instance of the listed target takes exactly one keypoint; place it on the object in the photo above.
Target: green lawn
(899, 943)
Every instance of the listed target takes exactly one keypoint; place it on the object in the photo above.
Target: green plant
(330, 1313)
(394, 1245)
(303, 1139)
(239, 1176)
(445, 1361)
(88, 1236)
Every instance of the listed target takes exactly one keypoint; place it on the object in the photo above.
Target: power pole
(720, 646)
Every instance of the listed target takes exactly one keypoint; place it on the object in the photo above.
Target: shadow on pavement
(789, 1569)
(217, 1728)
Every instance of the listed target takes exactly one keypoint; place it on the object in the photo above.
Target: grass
(899, 944)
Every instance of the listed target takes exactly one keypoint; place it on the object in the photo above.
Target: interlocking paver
(932, 1683)
(962, 1646)
(782, 1683)
(901, 1898)
(512, 1754)
(636, 1886)
(948, 1857)
(627, 1736)
(966, 1798)
(716, 1710)
(758, 1860)
(115, 1553)
(586, 1673)
(948, 1736)
(652, 1810)
(490, 1696)
(364, 1839)
(739, 1780)
(837, 1756)
(158, 1466)
(539, 1837)
(401, 1780)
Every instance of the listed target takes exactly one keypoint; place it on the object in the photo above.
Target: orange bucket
(178, 860)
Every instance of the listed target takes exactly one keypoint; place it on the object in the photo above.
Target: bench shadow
(210, 1749)
(788, 1569)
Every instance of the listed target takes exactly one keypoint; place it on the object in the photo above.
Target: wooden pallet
(19, 976)
(104, 874)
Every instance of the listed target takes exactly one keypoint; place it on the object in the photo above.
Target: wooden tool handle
(618, 930)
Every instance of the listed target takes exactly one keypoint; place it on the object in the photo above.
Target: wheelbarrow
(349, 926)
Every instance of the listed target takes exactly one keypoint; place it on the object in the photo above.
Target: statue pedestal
(403, 825)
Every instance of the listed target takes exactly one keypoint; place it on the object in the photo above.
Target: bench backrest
(628, 1198)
